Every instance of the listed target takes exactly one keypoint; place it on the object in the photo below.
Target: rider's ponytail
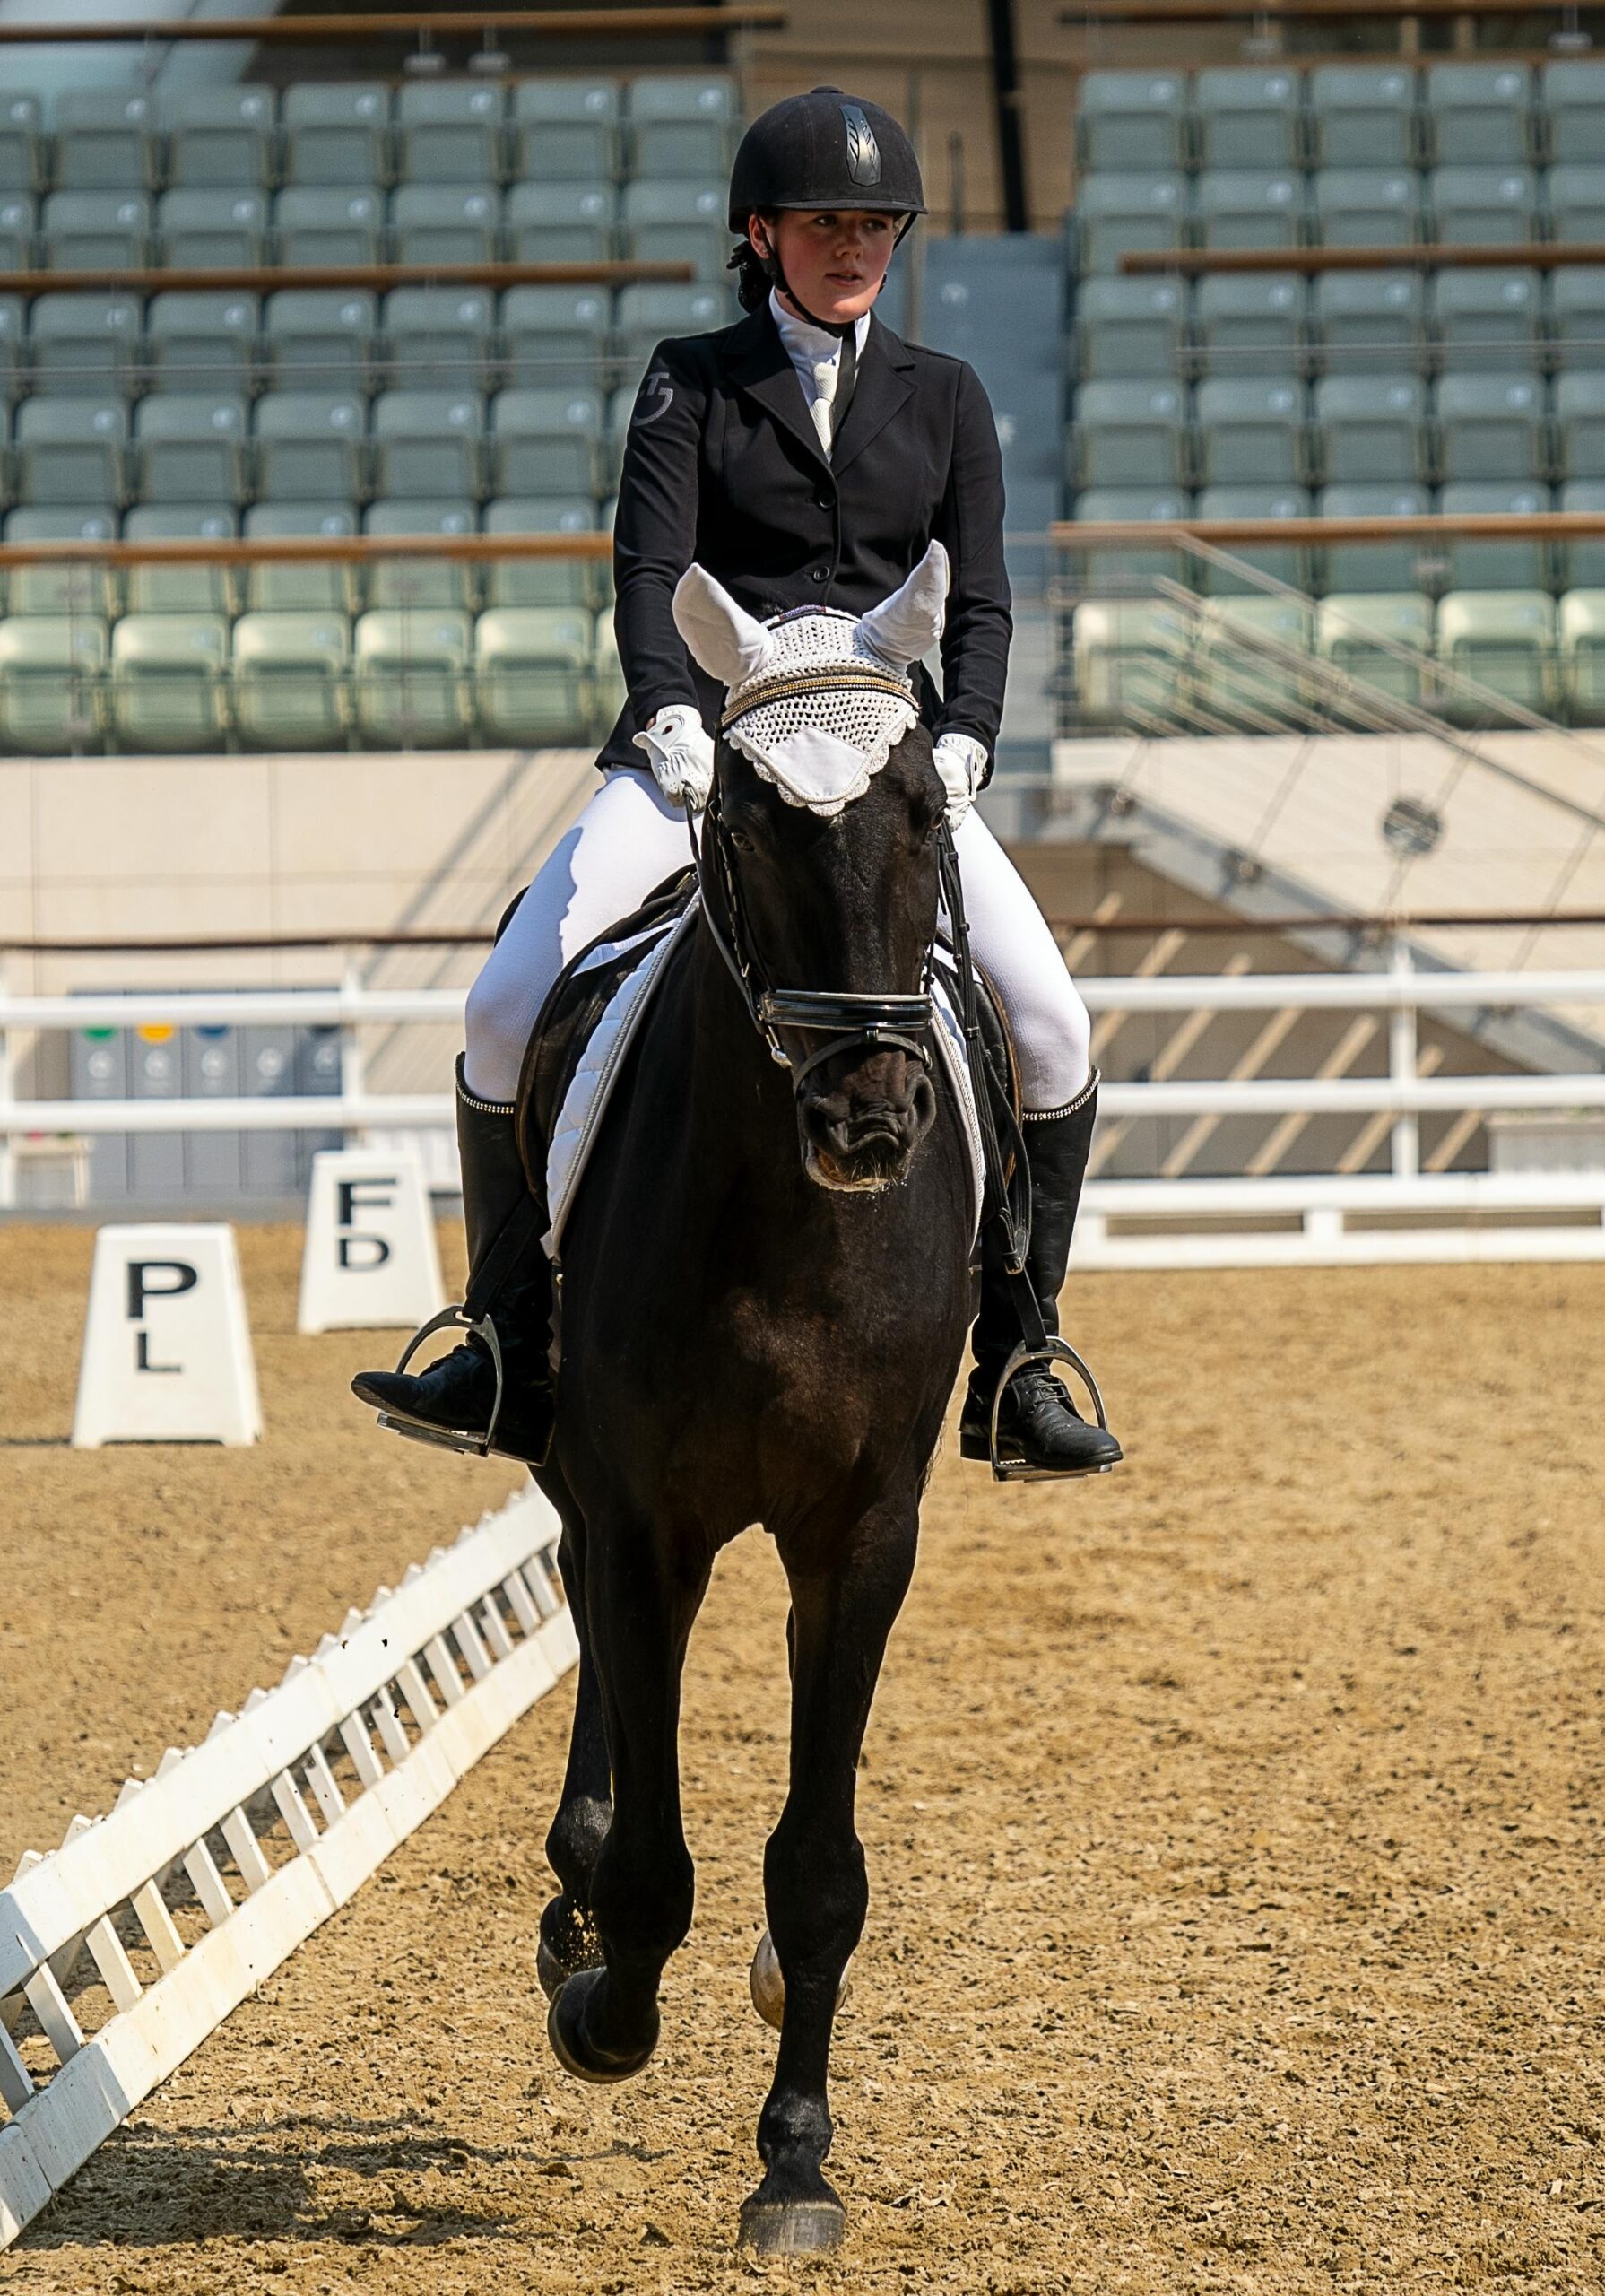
(754, 275)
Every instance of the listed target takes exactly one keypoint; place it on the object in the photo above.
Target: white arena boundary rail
(1316, 1221)
(124, 1949)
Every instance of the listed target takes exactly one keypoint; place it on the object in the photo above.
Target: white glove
(681, 755)
(960, 763)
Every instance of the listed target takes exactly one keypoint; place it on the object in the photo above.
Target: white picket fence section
(403, 1702)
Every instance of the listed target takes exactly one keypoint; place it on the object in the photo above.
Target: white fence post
(8, 1155)
(1402, 1046)
(351, 1041)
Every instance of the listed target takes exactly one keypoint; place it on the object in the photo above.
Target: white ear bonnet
(816, 699)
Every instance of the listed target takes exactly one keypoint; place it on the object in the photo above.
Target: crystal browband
(834, 678)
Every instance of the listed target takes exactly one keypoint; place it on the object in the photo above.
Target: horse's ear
(723, 638)
(903, 628)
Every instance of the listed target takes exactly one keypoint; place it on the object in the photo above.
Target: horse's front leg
(568, 1933)
(639, 1610)
(815, 1890)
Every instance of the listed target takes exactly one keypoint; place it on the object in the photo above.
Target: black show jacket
(722, 465)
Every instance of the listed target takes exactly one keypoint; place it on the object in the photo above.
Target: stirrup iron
(1053, 1350)
(460, 1439)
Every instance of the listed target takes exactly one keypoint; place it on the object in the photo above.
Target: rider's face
(833, 260)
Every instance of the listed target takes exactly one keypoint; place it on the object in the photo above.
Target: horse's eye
(741, 841)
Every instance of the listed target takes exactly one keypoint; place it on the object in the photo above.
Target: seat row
(392, 680)
(1361, 115)
(1239, 661)
(1226, 208)
(650, 222)
(364, 132)
(339, 338)
(1445, 562)
(306, 446)
(1346, 430)
(1342, 321)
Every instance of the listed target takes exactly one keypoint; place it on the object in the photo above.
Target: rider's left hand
(681, 754)
(960, 763)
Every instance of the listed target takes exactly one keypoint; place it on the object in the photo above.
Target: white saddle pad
(585, 1104)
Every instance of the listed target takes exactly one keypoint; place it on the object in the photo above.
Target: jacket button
(824, 502)
(819, 575)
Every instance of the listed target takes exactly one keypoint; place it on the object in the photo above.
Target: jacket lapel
(760, 366)
(885, 383)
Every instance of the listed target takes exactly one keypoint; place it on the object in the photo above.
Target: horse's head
(820, 864)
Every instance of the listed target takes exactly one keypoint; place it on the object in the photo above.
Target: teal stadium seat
(191, 447)
(566, 131)
(1249, 117)
(320, 338)
(1483, 206)
(1249, 433)
(1357, 631)
(1117, 215)
(1574, 103)
(22, 143)
(545, 443)
(1504, 639)
(532, 665)
(1582, 635)
(61, 587)
(543, 581)
(1363, 116)
(18, 217)
(52, 669)
(420, 584)
(219, 138)
(70, 450)
(439, 338)
(105, 141)
(1125, 434)
(168, 685)
(647, 313)
(1131, 123)
(96, 230)
(310, 586)
(181, 589)
(1373, 566)
(1132, 660)
(677, 221)
(1580, 423)
(435, 222)
(449, 132)
(1471, 563)
(1250, 322)
(1282, 562)
(203, 339)
(1371, 322)
(337, 132)
(1488, 319)
(1582, 563)
(1367, 207)
(82, 342)
(1491, 426)
(561, 223)
(427, 443)
(680, 124)
(1115, 567)
(548, 331)
(13, 328)
(1576, 197)
(1249, 207)
(411, 678)
(1130, 327)
(1577, 315)
(1245, 677)
(322, 223)
(1480, 115)
(1371, 429)
(309, 446)
(290, 676)
(223, 229)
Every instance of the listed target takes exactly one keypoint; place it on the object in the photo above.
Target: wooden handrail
(555, 24)
(303, 549)
(1528, 254)
(270, 278)
(1538, 526)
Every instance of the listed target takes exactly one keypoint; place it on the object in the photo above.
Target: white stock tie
(824, 398)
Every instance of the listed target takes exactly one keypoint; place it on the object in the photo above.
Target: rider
(805, 457)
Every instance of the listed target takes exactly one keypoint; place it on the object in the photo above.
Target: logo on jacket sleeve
(864, 154)
(655, 397)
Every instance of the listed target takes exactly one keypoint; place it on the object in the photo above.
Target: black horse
(764, 1293)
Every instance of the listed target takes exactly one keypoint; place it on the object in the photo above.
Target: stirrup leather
(1053, 1350)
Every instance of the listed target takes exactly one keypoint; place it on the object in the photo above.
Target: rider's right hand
(680, 752)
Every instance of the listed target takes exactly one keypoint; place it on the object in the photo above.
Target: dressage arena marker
(166, 1350)
(370, 1262)
(436, 1672)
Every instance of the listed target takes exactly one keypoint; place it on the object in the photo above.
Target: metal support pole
(350, 1041)
(1402, 1046)
(1005, 90)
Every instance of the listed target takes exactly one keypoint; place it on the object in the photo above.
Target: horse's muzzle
(861, 1133)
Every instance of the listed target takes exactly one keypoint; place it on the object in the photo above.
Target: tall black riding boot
(1039, 1429)
(451, 1403)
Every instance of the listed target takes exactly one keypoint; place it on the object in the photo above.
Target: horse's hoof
(566, 2030)
(791, 2228)
(768, 1986)
(568, 1944)
(550, 1971)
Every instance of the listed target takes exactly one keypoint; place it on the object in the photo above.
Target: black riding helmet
(824, 150)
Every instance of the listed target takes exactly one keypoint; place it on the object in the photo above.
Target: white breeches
(629, 839)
